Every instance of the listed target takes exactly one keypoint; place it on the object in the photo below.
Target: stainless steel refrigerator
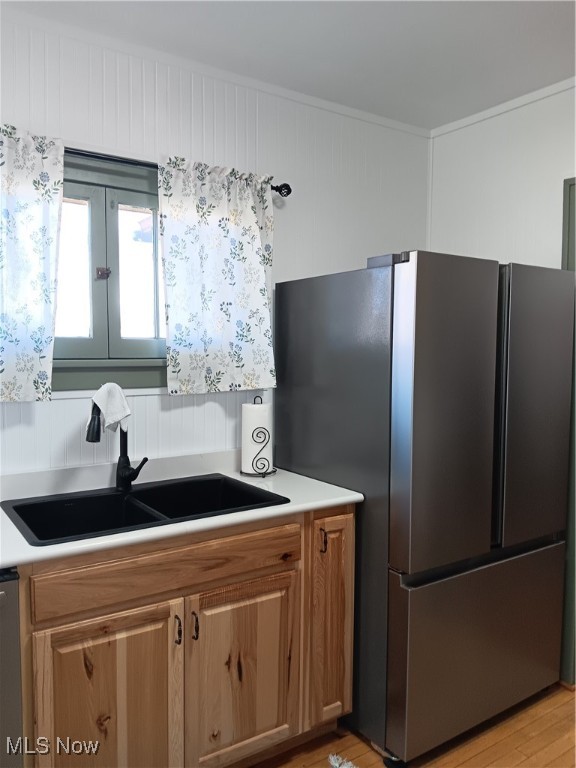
(438, 386)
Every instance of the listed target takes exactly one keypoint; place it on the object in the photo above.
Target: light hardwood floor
(536, 734)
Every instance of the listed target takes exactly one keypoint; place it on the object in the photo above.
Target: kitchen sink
(83, 515)
(71, 516)
(204, 496)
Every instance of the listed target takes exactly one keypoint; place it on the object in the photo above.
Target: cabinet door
(332, 618)
(109, 690)
(242, 669)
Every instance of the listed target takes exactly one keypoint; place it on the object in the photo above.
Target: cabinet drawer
(106, 584)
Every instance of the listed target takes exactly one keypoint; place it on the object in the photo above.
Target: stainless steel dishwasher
(11, 749)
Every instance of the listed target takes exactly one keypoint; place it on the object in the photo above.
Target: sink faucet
(125, 473)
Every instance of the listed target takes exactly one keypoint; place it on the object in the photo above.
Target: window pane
(73, 302)
(141, 294)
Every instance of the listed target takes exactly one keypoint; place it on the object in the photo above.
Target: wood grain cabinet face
(115, 681)
(242, 669)
(243, 642)
(332, 617)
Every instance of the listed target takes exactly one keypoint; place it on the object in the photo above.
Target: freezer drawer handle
(324, 547)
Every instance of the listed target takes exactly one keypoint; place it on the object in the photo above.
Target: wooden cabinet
(332, 617)
(242, 677)
(197, 652)
(109, 691)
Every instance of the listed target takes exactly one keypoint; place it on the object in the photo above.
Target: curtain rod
(283, 189)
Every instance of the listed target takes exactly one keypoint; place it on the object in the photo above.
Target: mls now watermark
(43, 746)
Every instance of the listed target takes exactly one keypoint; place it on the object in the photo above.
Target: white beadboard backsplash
(51, 435)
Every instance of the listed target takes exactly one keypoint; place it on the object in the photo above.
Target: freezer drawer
(467, 647)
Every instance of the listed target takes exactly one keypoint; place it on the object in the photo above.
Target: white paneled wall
(498, 180)
(40, 436)
(359, 185)
(359, 189)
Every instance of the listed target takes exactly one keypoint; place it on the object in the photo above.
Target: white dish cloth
(113, 405)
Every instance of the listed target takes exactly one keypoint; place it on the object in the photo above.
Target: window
(110, 303)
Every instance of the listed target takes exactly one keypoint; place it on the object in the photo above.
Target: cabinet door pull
(178, 640)
(196, 634)
(324, 547)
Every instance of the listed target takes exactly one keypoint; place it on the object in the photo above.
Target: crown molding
(507, 106)
(17, 16)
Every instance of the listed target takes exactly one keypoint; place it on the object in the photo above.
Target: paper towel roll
(257, 438)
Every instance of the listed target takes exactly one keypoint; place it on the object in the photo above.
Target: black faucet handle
(128, 472)
(125, 473)
(136, 470)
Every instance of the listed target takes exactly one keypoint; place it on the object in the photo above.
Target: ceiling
(420, 62)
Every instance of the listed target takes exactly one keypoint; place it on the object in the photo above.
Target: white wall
(359, 189)
(490, 186)
(497, 180)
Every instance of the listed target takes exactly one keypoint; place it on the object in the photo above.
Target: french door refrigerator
(439, 387)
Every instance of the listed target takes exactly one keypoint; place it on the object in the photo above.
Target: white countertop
(303, 492)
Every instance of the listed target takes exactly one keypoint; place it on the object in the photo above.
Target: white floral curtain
(31, 182)
(216, 231)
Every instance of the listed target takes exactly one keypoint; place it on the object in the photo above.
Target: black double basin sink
(84, 515)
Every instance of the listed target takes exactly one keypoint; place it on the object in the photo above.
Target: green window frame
(86, 363)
